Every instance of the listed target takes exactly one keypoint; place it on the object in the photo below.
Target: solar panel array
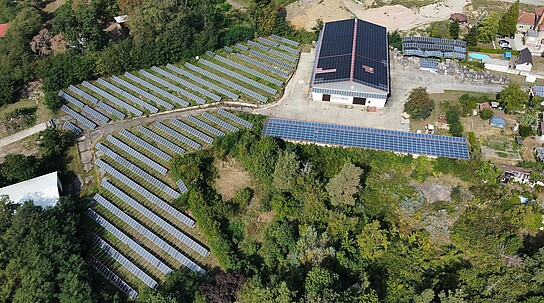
(136, 154)
(263, 65)
(234, 118)
(272, 60)
(189, 85)
(83, 94)
(73, 128)
(203, 82)
(130, 97)
(427, 63)
(129, 242)
(161, 140)
(193, 131)
(228, 49)
(226, 82)
(91, 111)
(100, 104)
(433, 47)
(182, 186)
(284, 40)
(538, 90)
(111, 110)
(282, 55)
(139, 141)
(113, 99)
(268, 42)
(71, 99)
(172, 86)
(138, 171)
(177, 135)
(351, 136)
(145, 193)
(113, 278)
(157, 89)
(126, 263)
(257, 45)
(148, 234)
(289, 49)
(156, 219)
(82, 119)
(432, 40)
(249, 70)
(220, 122)
(143, 93)
(241, 47)
(205, 126)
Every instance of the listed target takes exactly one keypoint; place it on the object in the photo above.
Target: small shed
(497, 121)
(507, 55)
(483, 106)
(459, 17)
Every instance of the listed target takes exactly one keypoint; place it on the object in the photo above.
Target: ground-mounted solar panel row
(71, 99)
(138, 171)
(193, 131)
(142, 143)
(143, 93)
(205, 126)
(249, 70)
(113, 278)
(113, 99)
(91, 111)
(285, 40)
(235, 75)
(100, 104)
(228, 49)
(227, 82)
(234, 118)
(142, 252)
(156, 89)
(151, 236)
(289, 49)
(201, 250)
(111, 110)
(203, 82)
(268, 42)
(271, 60)
(220, 122)
(189, 85)
(159, 139)
(83, 94)
(130, 97)
(80, 118)
(182, 187)
(136, 154)
(241, 47)
(257, 45)
(73, 128)
(282, 55)
(178, 136)
(209, 53)
(263, 65)
(171, 86)
(145, 193)
(126, 263)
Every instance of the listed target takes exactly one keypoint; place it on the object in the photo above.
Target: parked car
(506, 48)
(504, 43)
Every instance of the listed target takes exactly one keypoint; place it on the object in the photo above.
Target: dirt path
(22, 134)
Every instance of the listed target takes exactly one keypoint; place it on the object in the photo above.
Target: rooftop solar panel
(538, 90)
(351, 136)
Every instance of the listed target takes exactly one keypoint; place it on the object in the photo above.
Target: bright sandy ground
(304, 13)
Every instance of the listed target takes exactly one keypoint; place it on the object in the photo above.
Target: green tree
(419, 105)
(344, 186)
(312, 248)
(468, 103)
(454, 122)
(454, 29)
(319, 281)
(285, 171)
(471, 38)
(372, 241)
(439, 29)
(488, 28)
(395, 40)
(507, 23)
(514, 98)
(486, 114)
(18, 167)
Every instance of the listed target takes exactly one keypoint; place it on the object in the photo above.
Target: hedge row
(491, 50)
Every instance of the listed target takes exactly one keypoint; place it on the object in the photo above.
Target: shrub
(525, 131)
(452, 116)
(419, 104)
(486, 114)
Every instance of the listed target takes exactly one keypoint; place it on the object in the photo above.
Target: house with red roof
(459, 17)
(3, 29)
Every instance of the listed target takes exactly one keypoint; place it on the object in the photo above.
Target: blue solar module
(73, 128)
(203, 82)
(248, 70)
(271, 60)
(156, 89)
(241, 47)
(538, 90)
(139, 141)
(113, 278)
(428, 64)
(182, 186)
(143, 93)
(268, 42)
(113, 99)
(193, 131)
(82, 119)
(130, 97)
(267, 67)
(234, 118)
(228, 49)
(284, 40)
(189, 85)
(172, 86)
(352, 136)
(83, 94)
(282, 55)
(257, 45)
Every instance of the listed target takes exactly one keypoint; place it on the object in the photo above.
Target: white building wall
(341, 99)
(317, 96)
(524, 67)
(379, 103)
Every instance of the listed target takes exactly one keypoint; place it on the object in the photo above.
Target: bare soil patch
(231, 177)
(436, 189)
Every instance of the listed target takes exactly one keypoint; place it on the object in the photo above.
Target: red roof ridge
(3, 29)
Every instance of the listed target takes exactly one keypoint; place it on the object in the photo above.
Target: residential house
(459, 17)
(525, 60)
(515, 174)
(526, 21)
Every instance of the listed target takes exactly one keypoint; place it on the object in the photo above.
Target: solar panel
(73, 128)
(228, 49)
(241, 47)
(71, 99)
(111, 110)
(145, 193)
(263, 66)
(205, 126)
(192, 244)
(189, 85)
(139, 141)
(427, 63)
(227, 82)
(220, 122)
(257, 45)
(284, 40)
(160, 140)
(282, 55)
(178, 136)
(136, 154)
(148, 234)
(289, 49)
(182, 186)
(193, 131)
(82, 119)
(538, 90)
(157, 89)
(208, 53)
(142, 252)
(268, 42)
(83, 94)
(351, 136)
(203, 82)
(113, 278)
(126, 263)
(234, 118)
(272, 60)
(138, 171)
(172, 87)
(113, 99)
(143, 93)
(248, 70)
(130, 97)
(91, 111)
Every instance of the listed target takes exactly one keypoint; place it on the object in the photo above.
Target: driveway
(22, 134)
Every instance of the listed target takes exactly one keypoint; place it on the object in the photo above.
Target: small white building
(351, 64)
(43, 191)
